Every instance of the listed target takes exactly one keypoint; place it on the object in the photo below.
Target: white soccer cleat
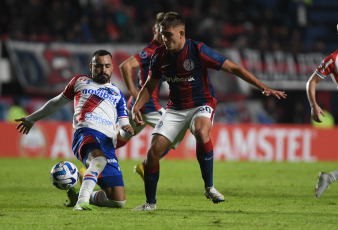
(323, 182)
(213, 195)
(145, 207)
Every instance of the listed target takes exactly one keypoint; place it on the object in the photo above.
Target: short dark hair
(172, 19)
(102, 53)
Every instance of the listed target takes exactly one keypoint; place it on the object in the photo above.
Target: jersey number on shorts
(205, 109)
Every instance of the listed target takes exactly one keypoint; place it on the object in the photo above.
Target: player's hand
(315, 113)
(137, 117)
(128, 129)
(275, 93)
(25, 126)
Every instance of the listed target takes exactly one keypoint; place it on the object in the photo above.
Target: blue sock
(165, 153)
(151, 177)
(205, 157)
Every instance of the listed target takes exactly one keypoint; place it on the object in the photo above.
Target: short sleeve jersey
(329, 66)
(143, 59)
(187, 74)
(96, 106)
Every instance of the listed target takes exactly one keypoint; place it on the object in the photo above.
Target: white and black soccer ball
(64, 175)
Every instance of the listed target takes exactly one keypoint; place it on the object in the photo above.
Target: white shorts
(148, 118)
(175, 123)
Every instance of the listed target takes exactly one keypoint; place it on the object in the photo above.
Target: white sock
(90, 178)
(99, 198)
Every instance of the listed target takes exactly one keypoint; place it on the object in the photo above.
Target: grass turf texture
(258, 196)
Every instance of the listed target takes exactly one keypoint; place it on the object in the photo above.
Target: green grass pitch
(258, 196)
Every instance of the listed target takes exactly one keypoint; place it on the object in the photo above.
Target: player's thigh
(87, 143)
(173, 125)
(112, 183)
(202, 121)
(116, 193)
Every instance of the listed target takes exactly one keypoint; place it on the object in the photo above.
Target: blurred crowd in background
(266, 25)
(260, 24)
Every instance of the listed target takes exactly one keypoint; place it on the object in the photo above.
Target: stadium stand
(287, 25)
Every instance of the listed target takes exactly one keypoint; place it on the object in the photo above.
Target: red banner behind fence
(250, 142)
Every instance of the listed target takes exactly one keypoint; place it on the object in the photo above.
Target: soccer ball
(64, 175)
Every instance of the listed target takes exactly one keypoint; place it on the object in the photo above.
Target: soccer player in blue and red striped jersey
(184, 64)
(152, 110)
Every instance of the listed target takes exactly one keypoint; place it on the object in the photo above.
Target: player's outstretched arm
(239, 71)
(126, 69)
(50, 107)
(311, 95)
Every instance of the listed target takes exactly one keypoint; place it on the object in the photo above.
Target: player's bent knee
(116, 204)
(202, 136)
(99, 162)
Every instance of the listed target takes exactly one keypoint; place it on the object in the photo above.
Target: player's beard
(101, 78)
(167, 46)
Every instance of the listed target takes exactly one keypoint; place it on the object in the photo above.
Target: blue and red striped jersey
(187, 74)
(144, 60)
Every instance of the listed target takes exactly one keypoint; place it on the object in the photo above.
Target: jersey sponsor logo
(104, 93)
(143, 54)
(182, 79)
(188, 65)
(111, 161)
(98, 119)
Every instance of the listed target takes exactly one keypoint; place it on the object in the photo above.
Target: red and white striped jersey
(329, 66)
(97, 106)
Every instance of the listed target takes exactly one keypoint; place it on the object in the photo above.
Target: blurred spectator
(265, 25)
(16, 111)
(257, 24)
(327, 121)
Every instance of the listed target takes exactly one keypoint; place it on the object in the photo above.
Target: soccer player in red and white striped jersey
(328, 67)
(99, 105)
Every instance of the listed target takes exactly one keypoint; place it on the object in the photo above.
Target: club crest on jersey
(188, 65)
(143, 54)
(159, 124)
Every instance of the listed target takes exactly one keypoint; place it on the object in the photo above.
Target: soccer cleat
(145, 207)
(212, 194)
(139, 170)
(323, 182)
(72, 196)
(84, 206)
(82, 171)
